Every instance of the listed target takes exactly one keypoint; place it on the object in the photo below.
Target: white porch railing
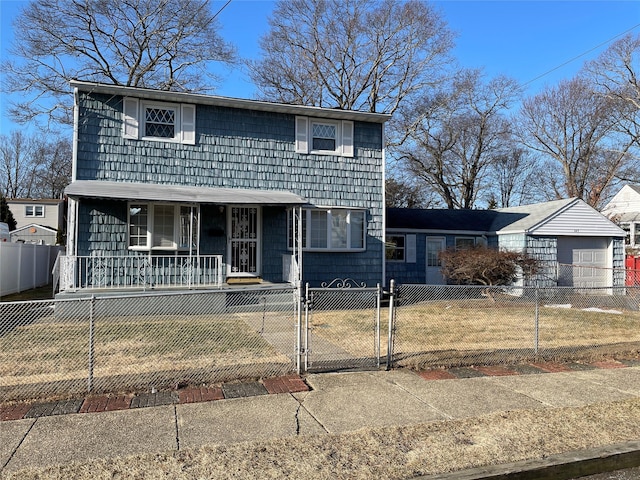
(148, 271)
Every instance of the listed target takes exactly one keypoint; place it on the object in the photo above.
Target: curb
(563, 466)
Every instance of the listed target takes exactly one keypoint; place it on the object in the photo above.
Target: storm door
(244, 242)
(435, 245)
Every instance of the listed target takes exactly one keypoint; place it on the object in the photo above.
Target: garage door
(588, 258)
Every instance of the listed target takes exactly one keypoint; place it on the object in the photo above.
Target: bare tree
(452, 138)
(578, 135)
(163, 44)
(32, 167)
(513, 173)
(16, 164)
(400, 193)
(616, 70)
(352, 54)
(53, 164)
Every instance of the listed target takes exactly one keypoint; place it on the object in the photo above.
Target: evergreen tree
(5, 214)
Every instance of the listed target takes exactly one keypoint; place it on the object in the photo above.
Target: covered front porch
(138, 237)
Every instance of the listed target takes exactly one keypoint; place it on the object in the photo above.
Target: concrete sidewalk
(335, 403)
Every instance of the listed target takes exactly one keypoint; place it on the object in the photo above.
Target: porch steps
(244, 281)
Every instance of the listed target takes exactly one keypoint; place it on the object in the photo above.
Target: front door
(244, 242)
(435, 245)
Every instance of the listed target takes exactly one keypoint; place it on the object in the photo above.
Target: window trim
(35, 209)
(134, 123)
(307, 231)
(402, 249)
(455, 242)
(304, 136)
(337, 138)
(177, 231)
(160, 106)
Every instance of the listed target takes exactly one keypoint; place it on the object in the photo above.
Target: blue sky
(523, 39)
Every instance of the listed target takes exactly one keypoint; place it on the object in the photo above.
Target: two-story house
(624, 209)
(187, 189)
(37, 220)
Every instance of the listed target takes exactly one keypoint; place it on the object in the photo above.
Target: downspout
(384, 203)
(72, 216)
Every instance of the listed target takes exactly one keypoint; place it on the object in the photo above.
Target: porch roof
(180, 193)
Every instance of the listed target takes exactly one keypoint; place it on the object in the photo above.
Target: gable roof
(568, 217)
(200, 99)
(534, 215)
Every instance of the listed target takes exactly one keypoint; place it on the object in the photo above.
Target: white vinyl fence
(24, 266)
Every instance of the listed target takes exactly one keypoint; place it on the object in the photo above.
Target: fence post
(537, 322)
(391, 324)
(91, 346)
(376, 346)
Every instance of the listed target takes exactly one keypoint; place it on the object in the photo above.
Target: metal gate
(340, 327)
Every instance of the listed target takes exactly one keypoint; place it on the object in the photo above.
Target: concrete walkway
(48, 434)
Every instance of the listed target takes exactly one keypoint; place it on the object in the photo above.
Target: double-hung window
(465, 242)
(163, 226)
(394, 248)
(334, 229)
(324, 137)
(34, 211)
(159, 121)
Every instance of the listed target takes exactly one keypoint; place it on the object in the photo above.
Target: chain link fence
(116, 343)
(469, 325)
(342, 328)
(141, 342)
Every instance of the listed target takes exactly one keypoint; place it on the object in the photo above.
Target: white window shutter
(347, 138)
(188, 120)
(410, 249)
(130, 123)
(302, 135)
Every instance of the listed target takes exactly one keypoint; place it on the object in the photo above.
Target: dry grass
(478, 325)
(391, 453)
(53, 350)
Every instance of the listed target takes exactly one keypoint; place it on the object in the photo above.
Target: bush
(486, 266)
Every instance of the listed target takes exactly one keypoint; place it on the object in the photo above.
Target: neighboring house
(185, 189)
(37, 221)
(624, 210)
(576, 245)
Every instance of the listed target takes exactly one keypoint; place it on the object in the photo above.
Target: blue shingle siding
(545, 250)
(237, 148)
(102, 227)
(619, 275)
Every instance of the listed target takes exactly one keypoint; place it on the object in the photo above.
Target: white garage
(584, 262)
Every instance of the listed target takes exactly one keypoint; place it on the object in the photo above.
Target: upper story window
(159, 121)
(632, 233)
(325, 137)
(34, 211)
(334, 229)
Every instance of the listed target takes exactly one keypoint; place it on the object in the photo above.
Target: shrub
(486, 266)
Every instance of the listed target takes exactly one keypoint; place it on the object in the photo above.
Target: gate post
(391, 323)
(301, 302)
